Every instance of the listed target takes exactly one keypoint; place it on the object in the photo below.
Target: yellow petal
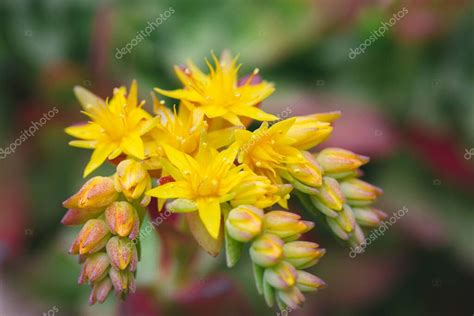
(210, 214)
(183, 161)
(98, 157)
(132, 95)
(253, 112)
(87, 144)
(87, 99)
(87, 131)
(178, 189)
(133, 145)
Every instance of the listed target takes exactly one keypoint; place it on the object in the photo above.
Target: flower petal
(98, 157)
(210, 214)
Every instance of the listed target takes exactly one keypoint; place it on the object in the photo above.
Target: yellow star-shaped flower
(219, 95)
(116, 126)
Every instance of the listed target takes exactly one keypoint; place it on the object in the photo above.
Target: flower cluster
(223, 178)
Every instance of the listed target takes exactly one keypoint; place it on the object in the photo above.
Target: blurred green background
(408, 102)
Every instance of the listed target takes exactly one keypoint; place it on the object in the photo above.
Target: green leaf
(233, 250)
(258, 275)
(268, 293)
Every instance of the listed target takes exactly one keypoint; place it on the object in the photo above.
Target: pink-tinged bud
(302, 254)
(92, 237)
(368, 216)
(346, 219)
(120, 252)
(309, 172)
(282, 276)
(357, 237)
(122, 218)
(132, 179)
(337, 229)
(244, 223)
(285, 224)
(96, 193)
(123, 281)
(308, 131)
(100, 291)
(78, 216)
(307, 282)
(95, 268)
(338, 160)
(358, 192)
(292, 297)
(267, 250)
(330, 194)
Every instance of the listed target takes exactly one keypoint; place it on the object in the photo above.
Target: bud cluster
(110, 224)
(342, 197)
(278, 256)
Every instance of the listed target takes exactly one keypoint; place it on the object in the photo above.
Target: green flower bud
(285, 224)
(244, 223)
(330, 194)
(307, 282)
(359, 192)
(302, 254)
(267, 250)
(338, 160)
(281, 276)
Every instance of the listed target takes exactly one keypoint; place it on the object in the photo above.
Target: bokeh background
(408, 102)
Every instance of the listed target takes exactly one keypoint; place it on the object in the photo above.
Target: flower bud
(100, 291)
(359, 192)
(95, 268)
(123, 281)
(132, 179)
(281, 276)
(292, 297)
(338, 160)
(285, 224)
(309, 172)
(120, 252)
(346, 218)
(95, 193)
(330, 194)
(78, 216)
(244, 223)
(357, 237)
(336, 228)
(302, 254)
(368, 216)
(308, 131)
(267, 250)
(92, 237)
(122, 219)
(257, 191)
(307, 282)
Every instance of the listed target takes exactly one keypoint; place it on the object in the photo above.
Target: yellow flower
(116, 126)
(207, 180)
(277, 151)
(179, 129)
(268, 149)
(219, 95)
